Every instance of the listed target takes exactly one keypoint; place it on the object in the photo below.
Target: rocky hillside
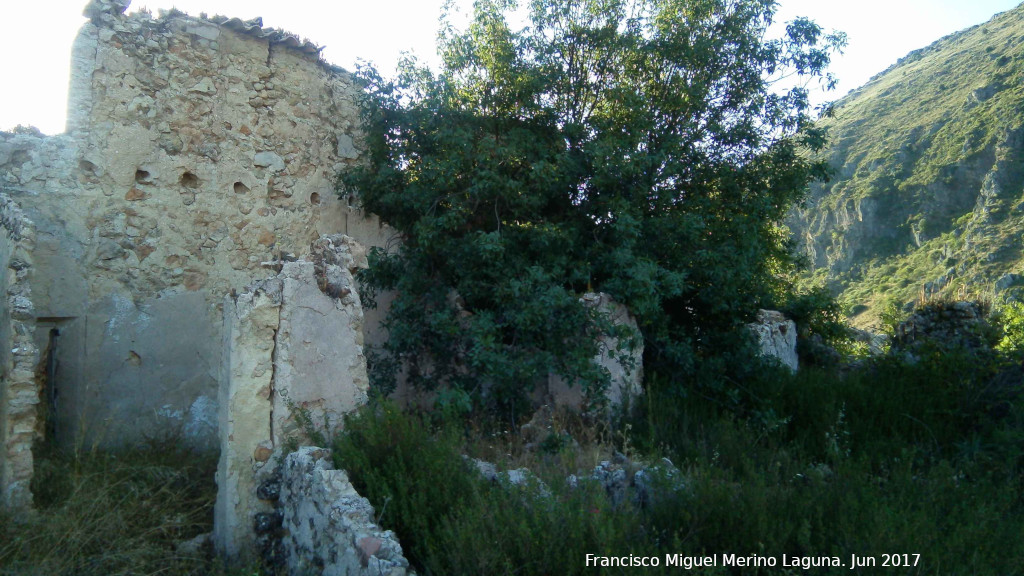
(927, 197)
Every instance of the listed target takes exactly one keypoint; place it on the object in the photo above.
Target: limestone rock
(205, 86)
(623, 481)
(486, 469)
(1007, 281)
(614, 479)
(268, 160)
(346, 147)
(96, 8)
(653, 483)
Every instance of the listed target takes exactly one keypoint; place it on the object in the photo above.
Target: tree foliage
(634, 147)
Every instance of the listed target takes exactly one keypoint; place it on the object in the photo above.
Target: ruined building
(179, 257)
(178, 263)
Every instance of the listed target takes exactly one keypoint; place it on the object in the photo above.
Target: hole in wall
(241, 188)
(189, 180)
(142, 176)
(314, 198)
(19, 157)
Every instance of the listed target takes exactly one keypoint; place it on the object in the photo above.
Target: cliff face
(929, 165)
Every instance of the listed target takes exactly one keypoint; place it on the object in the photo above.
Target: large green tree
(635, 147)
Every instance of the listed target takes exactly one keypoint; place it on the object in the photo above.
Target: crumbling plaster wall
(19, 394)
(623, 362)
(196, 150)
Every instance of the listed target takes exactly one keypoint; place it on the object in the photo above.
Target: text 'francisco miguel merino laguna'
(752, 560)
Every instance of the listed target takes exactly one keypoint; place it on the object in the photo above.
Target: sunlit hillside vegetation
(929, 165)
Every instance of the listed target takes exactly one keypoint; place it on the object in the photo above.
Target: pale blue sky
(35, 40)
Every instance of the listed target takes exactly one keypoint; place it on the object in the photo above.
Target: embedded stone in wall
(19, 390)
(293, 363)
(776, 337)
(328, 528)
(623, 363)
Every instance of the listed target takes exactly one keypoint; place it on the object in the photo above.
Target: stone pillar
(293, 367)
(19, 390)
(246, 410)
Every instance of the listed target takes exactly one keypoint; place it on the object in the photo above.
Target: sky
(36, 37)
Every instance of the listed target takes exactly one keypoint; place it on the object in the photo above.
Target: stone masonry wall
(196, 150)
(293, 352)
(328, 527)
(19, 393)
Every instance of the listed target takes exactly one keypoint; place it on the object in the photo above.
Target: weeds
(889, 458)
(103, 514)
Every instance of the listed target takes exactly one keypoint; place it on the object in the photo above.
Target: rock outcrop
(928, 193)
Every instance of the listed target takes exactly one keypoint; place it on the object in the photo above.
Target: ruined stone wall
(623, 362)
(196, 150)
(328, 527)
(19, 394)
(294, 364)
(776, 337)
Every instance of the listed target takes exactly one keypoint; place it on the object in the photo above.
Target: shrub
(574, 155)
(843, 476)
(452, 521)
(1011, 319)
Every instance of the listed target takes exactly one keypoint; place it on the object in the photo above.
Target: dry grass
(115, 514)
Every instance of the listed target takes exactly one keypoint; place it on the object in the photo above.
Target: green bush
(1011, 320)
(927, 457)
(574, 155)
(919, 455)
